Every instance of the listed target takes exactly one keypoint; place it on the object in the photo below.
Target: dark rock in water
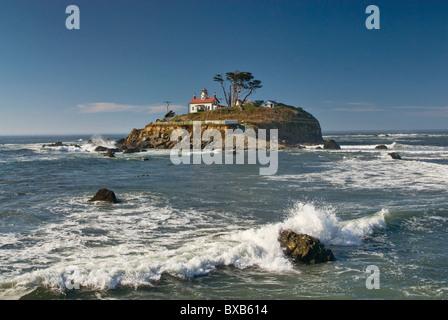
(381, 147)
(145, 159)
(110, 153)
(394, 155)
(303, 248)
(105, 195)
(131, 150)
(331, 145)
(56, 144)
(60, 144)
(101, 148)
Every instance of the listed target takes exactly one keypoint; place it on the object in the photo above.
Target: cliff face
(295, 126)
(157, 136)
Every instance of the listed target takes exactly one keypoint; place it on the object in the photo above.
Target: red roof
(199, 100)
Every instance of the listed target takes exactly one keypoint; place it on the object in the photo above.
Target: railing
(189, 123)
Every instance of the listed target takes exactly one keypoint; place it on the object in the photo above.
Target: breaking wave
(180, 252)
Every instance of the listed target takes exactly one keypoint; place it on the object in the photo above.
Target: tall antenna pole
(167, 105)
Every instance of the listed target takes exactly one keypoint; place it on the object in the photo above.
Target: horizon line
(323, 132)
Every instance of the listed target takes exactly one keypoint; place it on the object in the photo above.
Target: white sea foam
(324, 224)
(136, 246)
(377, 170)
(98, 141)
(74, 146)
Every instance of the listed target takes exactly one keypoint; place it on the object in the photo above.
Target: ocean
(197, 232)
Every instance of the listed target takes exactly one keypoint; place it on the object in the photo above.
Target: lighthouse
(204, 103)
(204, 94)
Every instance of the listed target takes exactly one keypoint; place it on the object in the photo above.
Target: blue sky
(128, 57)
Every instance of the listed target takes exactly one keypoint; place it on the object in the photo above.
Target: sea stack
(304, 249)
(394, 155)
(105, 195)
(331, 145)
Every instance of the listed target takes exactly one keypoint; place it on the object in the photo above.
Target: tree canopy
(241, 86)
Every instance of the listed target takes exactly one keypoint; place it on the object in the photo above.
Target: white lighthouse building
(204, 103)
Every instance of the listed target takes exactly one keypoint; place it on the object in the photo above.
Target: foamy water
(107, 252)
(211, 231)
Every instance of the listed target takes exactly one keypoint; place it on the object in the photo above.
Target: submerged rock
(105, 195)
(57, 144)
(394, 155)
(110, 153)
(60, 144)
(131, 150)
(304, 249)
(101, 148)
(331, 145)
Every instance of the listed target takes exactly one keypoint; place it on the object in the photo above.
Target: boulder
(105, 195)
(56, 144)
(381, 147)
(110, 153)
(304, 249)
(394, 155)
(101, 148)
(131, 150)
(60, 144)
(331, 145)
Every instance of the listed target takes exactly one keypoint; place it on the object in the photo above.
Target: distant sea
(210, 231)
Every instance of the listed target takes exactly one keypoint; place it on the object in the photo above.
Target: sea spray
(125, 265)
(323, 223)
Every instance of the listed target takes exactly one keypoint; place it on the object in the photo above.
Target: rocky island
(295, 126)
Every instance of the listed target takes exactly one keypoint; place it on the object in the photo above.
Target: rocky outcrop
(60, 144)
(331, 145)
(101, 148)
(304, 249)
(295, 126)
(157, 136)
(110, 153)
(56, 144)
(105, 195)
(130, 150)
(394, 155)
